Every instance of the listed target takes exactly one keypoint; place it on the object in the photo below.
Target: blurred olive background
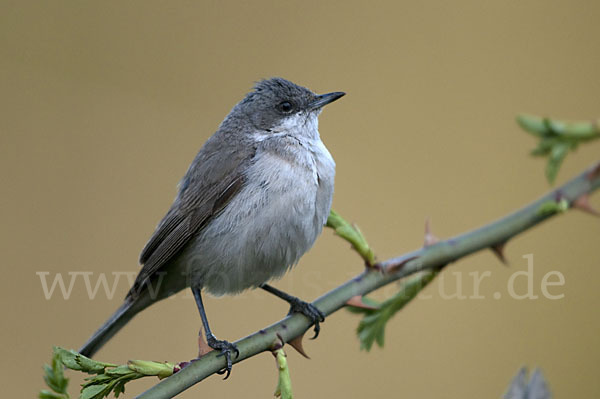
(104, 104)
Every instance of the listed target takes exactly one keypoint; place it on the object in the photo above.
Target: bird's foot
(309, 310)
(226, 348)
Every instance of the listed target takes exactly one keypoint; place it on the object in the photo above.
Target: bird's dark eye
(286, 107)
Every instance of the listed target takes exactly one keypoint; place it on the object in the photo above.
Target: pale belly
(265, 229)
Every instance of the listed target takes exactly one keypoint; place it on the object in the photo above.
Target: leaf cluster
(371, 328)
(105, 377)
(55, 379)
(557, 138)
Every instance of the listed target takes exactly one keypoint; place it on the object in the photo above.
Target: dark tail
(110, 327)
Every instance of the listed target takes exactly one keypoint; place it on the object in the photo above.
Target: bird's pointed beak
(324, 99)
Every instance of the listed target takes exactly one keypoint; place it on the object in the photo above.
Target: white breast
(270, 224)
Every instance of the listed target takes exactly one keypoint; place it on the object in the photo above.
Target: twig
(492, 236)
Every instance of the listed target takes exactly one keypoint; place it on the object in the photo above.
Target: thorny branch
(433, 256)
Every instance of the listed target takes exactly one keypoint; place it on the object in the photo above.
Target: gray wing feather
(209, 185)
(170, 222)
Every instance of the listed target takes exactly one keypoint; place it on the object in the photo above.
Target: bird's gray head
(276, 105)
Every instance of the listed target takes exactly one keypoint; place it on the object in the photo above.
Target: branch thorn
(398, 264)
(357, 302)
(203, 347)
(498, 250)
(594, 172)
(430, 238)
(296, 343)
(583, 204)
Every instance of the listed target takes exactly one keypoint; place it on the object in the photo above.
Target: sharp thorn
(583, 204)
(296, 343)
(498, 250)
(430, 239)
(357, 302)
(594, 172)
(203, 347)
(398, 265)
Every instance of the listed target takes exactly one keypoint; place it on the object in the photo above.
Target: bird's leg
(225, 347)
(299, 306)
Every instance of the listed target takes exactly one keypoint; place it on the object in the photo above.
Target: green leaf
(119, 388)
(147, 367)
(45, 394)
(371, 329)
(98, 379)
(557, 138)
(557, 155)
(59, 376)
(123, 369)
(50, 379)
(95, 392)
(55, 380)
(104, 377)
(76, 361)
(533, 124)
(353, 235)
(67, 358)
(544, 147)
(583, 130)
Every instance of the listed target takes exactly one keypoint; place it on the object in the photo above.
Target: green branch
(432, 257)
(556, 139)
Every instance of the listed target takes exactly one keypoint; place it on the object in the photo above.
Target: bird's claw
(226, 349)
(309, 310)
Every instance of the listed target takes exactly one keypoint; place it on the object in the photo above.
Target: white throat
(303, 126)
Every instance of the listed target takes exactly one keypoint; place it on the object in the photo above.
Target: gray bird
(252, 202)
